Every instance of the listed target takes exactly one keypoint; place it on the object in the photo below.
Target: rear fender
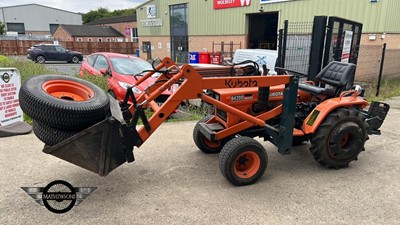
(312, 122)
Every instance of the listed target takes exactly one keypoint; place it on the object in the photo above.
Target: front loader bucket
(98, 148)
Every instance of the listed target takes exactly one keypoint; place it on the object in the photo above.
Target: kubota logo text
(237, 83)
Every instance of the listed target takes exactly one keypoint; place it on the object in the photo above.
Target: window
(60, 49)
(48, 48)
(91, 59)
(135, 36)
(90, 39)
(108, 39)
(101, 63)
(99, 39)
(80, 39)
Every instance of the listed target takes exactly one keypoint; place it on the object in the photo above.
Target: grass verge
(389, 88)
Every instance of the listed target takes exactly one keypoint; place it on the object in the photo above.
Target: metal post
(280, 50)
(285, 33)
(317, 46)
(381, 69)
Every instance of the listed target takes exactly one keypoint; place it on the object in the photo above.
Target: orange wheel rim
(211, 144)
(247, 164)
(344, 140)
(68, 90)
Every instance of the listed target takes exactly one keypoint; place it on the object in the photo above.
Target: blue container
(193, 57)
(137, 53)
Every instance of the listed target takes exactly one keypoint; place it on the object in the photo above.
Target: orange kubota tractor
(79, 123)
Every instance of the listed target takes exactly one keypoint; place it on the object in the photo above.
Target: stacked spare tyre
(62, 106)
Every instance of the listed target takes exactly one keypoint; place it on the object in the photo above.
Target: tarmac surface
(172, 182)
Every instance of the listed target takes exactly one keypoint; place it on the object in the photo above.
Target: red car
(123, 70)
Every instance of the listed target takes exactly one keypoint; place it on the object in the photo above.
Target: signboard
(127, 31)
(260, 56)
(151, 11)
(10, 83)
(223, 4)
(348, 37)
(151, 23)
(272, 1)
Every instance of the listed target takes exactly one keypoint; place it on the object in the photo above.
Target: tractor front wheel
(339, 139)
(202, 142)
(243, 161)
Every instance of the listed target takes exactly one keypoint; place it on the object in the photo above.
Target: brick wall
(121, 28)
(157, 52)
(369, 61)
(62, 35)
(392, 40)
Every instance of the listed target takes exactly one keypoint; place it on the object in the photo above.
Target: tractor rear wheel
(339, 139)
(202, 142)
(63, 102)
(243, 161)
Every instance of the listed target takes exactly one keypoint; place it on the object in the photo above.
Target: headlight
(126, 86)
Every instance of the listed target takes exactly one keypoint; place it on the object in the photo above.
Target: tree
(104, 13)
(95, 14)
(2, 28)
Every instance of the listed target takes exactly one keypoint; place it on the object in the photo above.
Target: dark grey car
(50, 52)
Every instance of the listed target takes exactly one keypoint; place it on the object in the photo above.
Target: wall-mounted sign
(151, 11)
(10, 83)
(273, 1)
(223, 4)
(151, 23)
(127, 31)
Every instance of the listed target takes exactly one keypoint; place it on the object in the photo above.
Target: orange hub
(247, 164)
(68, 90)
(211, 144)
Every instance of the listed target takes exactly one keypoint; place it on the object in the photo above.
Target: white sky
(81, 6)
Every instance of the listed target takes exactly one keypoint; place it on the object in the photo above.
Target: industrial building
(35, 19)
(176, 27)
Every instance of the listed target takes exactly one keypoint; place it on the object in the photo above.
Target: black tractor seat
(334, 78)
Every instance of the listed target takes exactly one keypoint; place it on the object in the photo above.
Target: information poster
(10, 83)
(348, 37)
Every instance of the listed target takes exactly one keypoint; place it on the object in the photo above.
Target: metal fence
(298, 46)
(20, 47)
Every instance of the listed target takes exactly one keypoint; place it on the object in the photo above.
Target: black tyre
(50, 136)
(63, 102)
(339, 139)
(202, 142)
(40, 59)
(75, 59)
(243, 161)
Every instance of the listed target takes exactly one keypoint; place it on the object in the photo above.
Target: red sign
(223, 4)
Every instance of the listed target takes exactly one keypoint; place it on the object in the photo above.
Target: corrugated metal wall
(377, 17)
(38, 18)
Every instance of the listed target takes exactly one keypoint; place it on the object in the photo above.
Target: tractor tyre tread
(340, 118)
(60, 113)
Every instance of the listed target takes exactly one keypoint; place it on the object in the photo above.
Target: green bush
(27, 69)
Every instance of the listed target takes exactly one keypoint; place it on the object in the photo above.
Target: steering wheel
(287, 71)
